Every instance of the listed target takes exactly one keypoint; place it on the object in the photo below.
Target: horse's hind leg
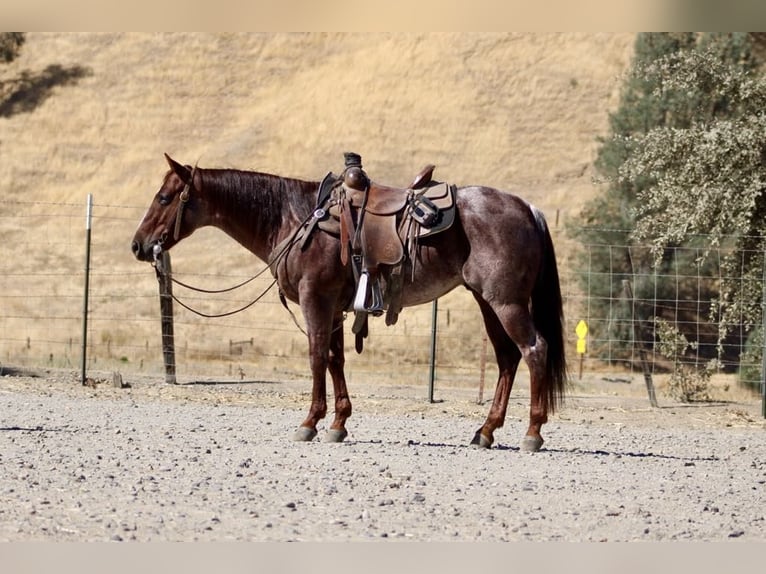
(337, 431)
(517, 323)
(508, 357)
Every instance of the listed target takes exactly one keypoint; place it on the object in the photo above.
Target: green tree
(607, 224)
(707, 178)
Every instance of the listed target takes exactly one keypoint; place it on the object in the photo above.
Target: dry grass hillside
(93, 113)
(512, 110)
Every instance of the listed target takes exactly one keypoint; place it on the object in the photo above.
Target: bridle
(184, 199)
(162, 273)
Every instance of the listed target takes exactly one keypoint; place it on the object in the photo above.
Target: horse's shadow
(37, 428)
(629, 454)
(544, 450)
(225, 383)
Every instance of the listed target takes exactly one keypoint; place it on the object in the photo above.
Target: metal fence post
(88, 217)
(432, 369)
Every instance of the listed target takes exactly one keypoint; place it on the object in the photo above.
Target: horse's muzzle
(139, 251)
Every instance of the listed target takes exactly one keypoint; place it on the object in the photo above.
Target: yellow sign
(582, 331)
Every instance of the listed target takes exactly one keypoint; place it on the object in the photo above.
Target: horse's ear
(178, 169)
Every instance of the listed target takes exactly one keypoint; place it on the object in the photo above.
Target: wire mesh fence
(628, 300)
(613, 289)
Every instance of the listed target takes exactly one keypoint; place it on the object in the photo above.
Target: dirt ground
(212, 461)
(597, 398)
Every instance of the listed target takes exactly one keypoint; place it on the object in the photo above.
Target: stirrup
(360, 299)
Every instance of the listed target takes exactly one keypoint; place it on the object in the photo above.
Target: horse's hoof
(480, 441)
(304, 434)
(531, 443)
(335, 435)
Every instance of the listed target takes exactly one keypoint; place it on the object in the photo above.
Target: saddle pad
(384, 200)
(443, 196)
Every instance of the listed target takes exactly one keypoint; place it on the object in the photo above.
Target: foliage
(10, 45)
(609, 219)
(708, 177)
(681, 92)
(750, 369)
(688, 382)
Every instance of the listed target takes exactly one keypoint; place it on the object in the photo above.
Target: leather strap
(346, 229)
(184, 197)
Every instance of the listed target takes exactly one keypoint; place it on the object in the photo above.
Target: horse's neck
(255, 213)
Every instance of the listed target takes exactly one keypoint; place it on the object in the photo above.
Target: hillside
(93, 113)
(511, 110)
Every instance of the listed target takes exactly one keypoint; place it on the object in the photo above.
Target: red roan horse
(499, 248)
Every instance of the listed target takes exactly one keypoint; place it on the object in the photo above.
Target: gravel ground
(212, 462)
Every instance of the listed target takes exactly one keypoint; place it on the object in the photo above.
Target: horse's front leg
(325, 333)
(337, 359)
(319, 351)
(318, 409)
(327, 357)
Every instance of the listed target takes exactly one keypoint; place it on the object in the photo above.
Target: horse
(499, 248)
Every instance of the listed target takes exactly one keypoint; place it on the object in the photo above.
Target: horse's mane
(271, 197)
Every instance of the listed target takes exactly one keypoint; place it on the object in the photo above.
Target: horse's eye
(163, 199)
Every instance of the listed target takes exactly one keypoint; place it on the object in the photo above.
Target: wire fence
(611, 288)
(626, 303)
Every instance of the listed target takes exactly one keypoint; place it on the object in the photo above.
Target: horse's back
(498, 215)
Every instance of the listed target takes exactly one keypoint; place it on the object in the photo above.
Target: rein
(213, 291)
(161, 272)
(226, 314)
(281, 251)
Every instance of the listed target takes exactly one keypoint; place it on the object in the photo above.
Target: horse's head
(172, 214)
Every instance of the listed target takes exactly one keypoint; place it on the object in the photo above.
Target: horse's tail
(548, 316)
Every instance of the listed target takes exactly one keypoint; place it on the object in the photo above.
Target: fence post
(432, 369)
(166, 316)
(88, 217)
(637, 341)
(763, 342)
(482, 367)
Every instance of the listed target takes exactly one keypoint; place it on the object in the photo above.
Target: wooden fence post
(763, 340)
(166, 317)
(482, 368)
(637, 341)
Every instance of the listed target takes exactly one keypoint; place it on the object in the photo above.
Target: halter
(184, 197)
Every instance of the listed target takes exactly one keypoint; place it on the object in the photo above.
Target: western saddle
(379, 228)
